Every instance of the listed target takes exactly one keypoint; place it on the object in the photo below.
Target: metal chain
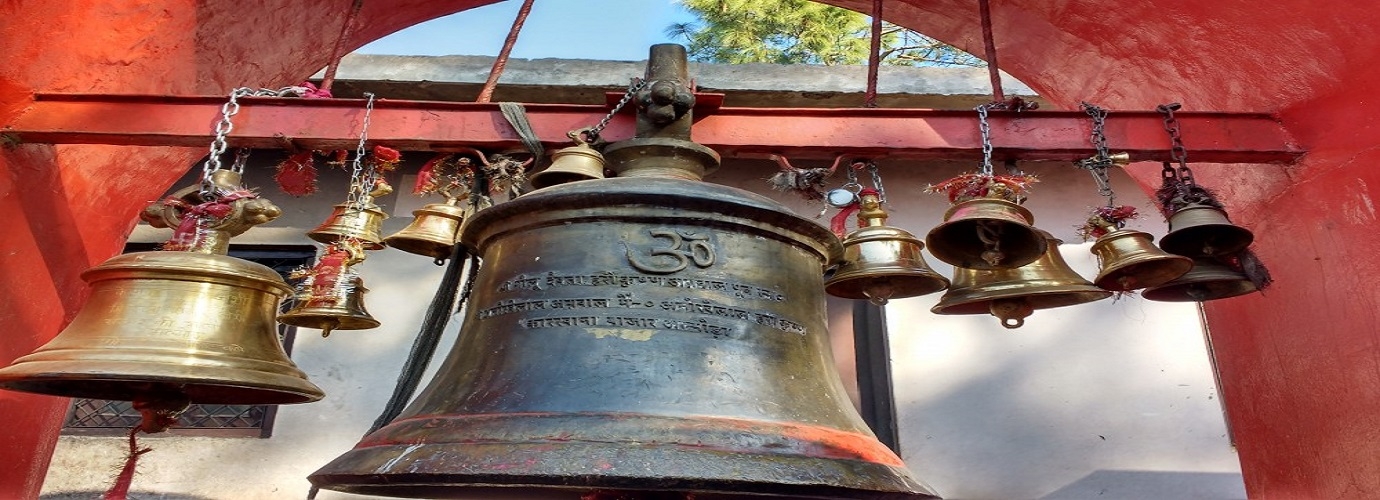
(876, 181)
(1177, 151)
(1098, 164)
(360, 180)
(852, 184)
(592, 134)
(986, 130)
(241, 159)
(223, 128)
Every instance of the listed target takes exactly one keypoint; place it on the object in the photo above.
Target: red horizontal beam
(735, 132)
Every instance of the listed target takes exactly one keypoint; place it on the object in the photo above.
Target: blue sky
(617, 30)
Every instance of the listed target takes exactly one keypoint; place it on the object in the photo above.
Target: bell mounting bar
(328, 124)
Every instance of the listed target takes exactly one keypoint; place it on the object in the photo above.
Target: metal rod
(990, 46)
(502, 60)
(329, 78)
(874, 56)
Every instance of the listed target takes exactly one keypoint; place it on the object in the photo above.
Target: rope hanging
(990, 46)
(874, 56)
(329, 77)
(501, 61)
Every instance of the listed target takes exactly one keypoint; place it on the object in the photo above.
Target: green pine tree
(801, 32)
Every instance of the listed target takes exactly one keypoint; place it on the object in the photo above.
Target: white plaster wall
(1105, 400)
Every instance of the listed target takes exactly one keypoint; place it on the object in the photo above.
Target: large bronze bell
(1198, 230)
(1128, 260)
(362, 221)
(174, 326)
(636, 338)
(986, 233)
(1206, 281)
(1013, 294)
(881, 262)
(575, 163)
(339, 307)
(434, 231)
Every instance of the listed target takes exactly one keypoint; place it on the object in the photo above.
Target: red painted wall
(1299, 365)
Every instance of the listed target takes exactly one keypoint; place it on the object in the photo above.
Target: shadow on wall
(133, 495)
(1149, 484)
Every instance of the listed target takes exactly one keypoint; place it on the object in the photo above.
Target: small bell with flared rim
(1203, 230)
(434, 231)
(986, 234)
(580, 162)
(331, 296)
(882, 262)
(363, 223)
(1013, 294)
(1207, 280)
(1130, 261)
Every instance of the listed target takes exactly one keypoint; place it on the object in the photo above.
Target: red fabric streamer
(386, 154)
(427, 175)
(123, 481)
(187, 233)
(297, 174)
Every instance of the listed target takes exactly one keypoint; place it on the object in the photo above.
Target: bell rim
(1076, 294)
(304, 318)
(842, 284)
(674, 451)
(420, 246)
(76, 378)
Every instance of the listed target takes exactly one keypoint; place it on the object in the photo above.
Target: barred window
(98, 417)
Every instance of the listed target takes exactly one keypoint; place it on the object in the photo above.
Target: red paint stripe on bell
(729, 435)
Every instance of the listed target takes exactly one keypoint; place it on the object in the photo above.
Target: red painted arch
(1300, 365)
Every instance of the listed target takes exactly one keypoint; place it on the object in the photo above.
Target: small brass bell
(882, 262)
(340, 308)
(985, 234)
(330, 295)
(1013, 294)
(433, 232)
(1130, 261)
(1206, 281)
(168, 328)
(362, 222)
(1198, 230)
(576, 163)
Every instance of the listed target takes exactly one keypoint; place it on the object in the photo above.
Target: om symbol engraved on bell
(682, 248)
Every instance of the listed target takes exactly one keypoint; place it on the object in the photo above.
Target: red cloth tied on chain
(186, 234)
(297, 174)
